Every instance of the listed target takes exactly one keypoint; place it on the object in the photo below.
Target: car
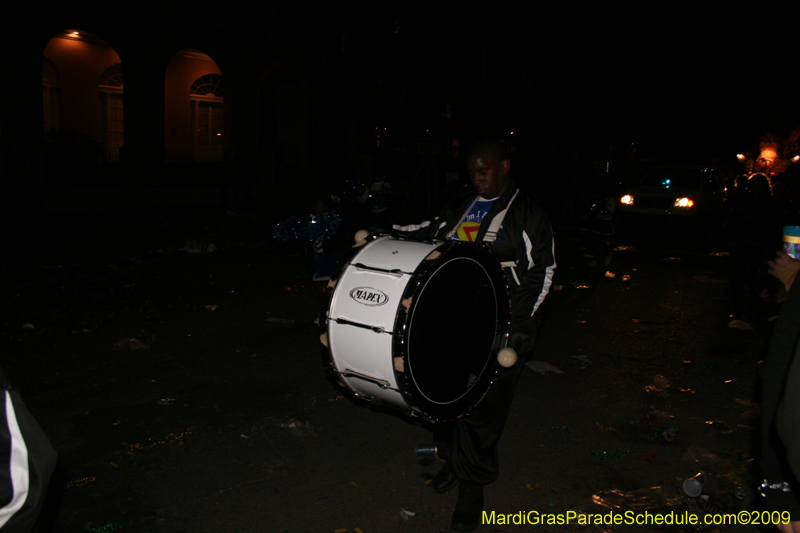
(677, 190)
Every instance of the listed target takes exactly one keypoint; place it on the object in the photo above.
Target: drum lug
(382, 383)
(376, 329)
(396, 272)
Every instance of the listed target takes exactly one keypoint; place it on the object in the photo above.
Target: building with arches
(173, 108)
(153, 110)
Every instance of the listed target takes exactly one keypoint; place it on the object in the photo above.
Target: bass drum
(417, 325)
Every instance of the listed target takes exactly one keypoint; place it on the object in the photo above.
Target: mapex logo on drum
(369, 296)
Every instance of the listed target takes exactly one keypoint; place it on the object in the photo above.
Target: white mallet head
(361, 235)
(507, 357)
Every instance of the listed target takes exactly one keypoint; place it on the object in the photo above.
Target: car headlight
(684, 202)
(627, 199)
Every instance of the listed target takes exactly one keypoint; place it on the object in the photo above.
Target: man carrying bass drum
(522, 240)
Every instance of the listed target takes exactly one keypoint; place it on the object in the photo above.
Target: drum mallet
(507, 357)
(361, 235)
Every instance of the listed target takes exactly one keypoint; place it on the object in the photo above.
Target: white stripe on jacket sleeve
(548, 280)
(528, 249)
(18, 465)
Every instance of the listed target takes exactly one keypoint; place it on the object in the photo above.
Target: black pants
(469, 444)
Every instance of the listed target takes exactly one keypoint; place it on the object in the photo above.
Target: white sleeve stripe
(548, 280)
(412, 227)
(528, 249)
(18, 465)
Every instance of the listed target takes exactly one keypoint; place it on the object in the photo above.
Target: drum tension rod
(376, 329)
(394, 272)
(382, 383)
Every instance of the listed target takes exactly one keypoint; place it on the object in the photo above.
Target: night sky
(676, 82)
(670, 81)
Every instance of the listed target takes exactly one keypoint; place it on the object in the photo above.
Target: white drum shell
(372, 298)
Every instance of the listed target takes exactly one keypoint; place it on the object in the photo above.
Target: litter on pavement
(542, 367)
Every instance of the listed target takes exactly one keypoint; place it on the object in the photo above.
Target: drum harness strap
(461, 220)
(494, 227)
(497, 221)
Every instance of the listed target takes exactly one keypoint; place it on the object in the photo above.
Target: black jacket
(524, 247)
(28, 460)
(775, 466)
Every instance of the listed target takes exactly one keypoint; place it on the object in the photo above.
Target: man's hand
(791, 527)
(522, 343)
(785, 268)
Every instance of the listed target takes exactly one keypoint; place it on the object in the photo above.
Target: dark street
(184, 392)
(177, 184)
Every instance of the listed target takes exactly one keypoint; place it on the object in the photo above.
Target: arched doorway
(111, 111)
(80, 73)
(193, 109)
(205, 99)
(51, 96)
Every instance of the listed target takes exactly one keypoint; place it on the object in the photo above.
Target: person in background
(786, 208)
(377, 198)
(321, 257)
(754, 231)
(600, 205)
(780, 417)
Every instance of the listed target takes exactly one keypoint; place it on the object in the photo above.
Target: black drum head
(452, 334)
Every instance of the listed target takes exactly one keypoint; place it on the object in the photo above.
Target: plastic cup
(426, 450)
(791, 240)
(693, 487)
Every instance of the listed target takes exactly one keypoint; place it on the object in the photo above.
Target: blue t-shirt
(468, 229)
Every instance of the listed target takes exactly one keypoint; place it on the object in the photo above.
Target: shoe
(467, 515)
(465, 522)
(445, 480)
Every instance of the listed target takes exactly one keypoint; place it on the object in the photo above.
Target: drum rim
(411, 394)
